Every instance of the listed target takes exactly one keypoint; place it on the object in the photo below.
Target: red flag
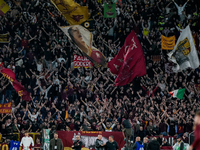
(129, 62)
(10, 75)
(21, 91)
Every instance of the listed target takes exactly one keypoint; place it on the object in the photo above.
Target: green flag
(178, 93)
(109, 11)
(46, 139)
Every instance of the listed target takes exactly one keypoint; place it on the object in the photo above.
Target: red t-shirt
(36, 147)
(196, 143)
(180, 129)
(24, 43)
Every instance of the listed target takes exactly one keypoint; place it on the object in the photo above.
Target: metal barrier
(191, 137)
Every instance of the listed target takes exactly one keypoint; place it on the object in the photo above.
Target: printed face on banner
(83, 39)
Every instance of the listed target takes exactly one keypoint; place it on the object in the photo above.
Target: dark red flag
(21, 91)
(129, 62)
(10, 75)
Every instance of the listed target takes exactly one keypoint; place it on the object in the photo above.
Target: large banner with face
(83, 39)
(88, 138)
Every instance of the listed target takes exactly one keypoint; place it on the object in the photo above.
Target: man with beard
(77, 145)
(56, 143)
(99, 143)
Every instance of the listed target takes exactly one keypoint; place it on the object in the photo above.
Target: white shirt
(33, 117)
(108, 129)
(19, 62)
(26, 142)
(45, 91)
(180, 9)
(39, 67)
(60, 59)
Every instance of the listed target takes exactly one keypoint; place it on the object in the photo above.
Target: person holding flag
(27, 142)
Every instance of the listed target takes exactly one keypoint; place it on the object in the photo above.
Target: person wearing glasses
(77, 145)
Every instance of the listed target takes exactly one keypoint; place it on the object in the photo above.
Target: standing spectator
(154, 144)
(145, 143)
(77, 145)
(138, 144)
(27, 142)
(180, 8)
(56, 143)
(37, 145)
(128, 131)
(111, 144)
(160, 139)
(99, 143)
(141, 133)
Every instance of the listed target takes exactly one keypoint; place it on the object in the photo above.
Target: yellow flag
(66, 114)
(167, 43)
(4, 38)
(3, 7)
(73, 12)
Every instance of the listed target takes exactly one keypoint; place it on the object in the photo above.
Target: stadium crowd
(42, 58)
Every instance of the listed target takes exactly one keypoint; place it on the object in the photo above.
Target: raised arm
(175, 4)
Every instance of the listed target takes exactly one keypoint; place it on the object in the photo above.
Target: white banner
(184, 54)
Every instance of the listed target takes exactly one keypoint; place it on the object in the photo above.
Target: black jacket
(153, 145)
(77, 145)
(112, 146)
(145, 146)
(159, 140)
(141, 134)
(98, 144)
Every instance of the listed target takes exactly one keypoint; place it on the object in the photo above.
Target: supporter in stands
(165, 143)
(141, 133)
